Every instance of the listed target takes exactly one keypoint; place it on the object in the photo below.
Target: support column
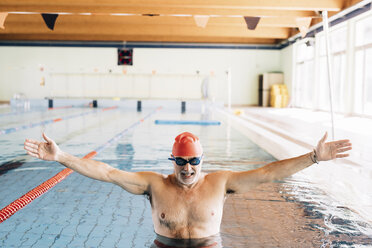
(139, 106)
(50, 103)
(183, 107)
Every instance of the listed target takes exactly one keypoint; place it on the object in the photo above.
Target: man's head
(187, 155)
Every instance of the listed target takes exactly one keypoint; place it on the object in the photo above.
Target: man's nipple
(162, 215)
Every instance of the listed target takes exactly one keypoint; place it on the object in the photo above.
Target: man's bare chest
(174, 208)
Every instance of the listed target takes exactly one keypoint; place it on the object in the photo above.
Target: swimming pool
(81, 212)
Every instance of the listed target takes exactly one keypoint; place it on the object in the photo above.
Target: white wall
(76, 72)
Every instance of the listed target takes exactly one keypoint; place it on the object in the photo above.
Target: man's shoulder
(152, 174)
(218, 175)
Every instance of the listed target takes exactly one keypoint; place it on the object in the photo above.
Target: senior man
(187, 205)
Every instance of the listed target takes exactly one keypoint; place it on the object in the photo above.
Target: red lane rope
(58, 119)
(114, 107)
(21, 202)
(63, 107)
(24, 200)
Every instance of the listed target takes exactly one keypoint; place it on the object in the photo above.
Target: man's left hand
(331, 150)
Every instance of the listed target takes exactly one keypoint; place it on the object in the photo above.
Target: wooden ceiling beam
(156, 20)
(156, 10)
(139, 38)
(168, 30)
(313, 5)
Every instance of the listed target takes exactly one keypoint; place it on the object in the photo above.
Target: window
(362, 66)
(363, 30)
(351, 60)
(304, 76)
(338, 44)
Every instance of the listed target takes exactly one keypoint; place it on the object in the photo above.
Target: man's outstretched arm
(135, 183)
(241, 182)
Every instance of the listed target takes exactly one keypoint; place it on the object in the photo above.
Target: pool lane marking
(27, 198)
(31, 125)
(187, 122)
(10, 165)
(33, 111)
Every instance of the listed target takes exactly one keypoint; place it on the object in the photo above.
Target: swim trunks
(213, 241)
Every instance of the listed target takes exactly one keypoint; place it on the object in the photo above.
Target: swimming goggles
(181, 161)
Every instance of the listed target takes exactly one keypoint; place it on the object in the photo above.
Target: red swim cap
(186, 144)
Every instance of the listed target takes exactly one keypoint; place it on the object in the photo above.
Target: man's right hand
(43, 150)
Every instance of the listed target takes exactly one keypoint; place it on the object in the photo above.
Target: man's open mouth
(188, 175)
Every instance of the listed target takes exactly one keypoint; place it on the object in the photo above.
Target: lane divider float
(187, 122)
(31, 125)
(63, 107)
(27, 198)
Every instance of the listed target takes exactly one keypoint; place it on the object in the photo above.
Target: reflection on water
(291, 214)
(339, 224)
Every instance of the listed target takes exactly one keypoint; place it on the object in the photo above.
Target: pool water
(81, 212)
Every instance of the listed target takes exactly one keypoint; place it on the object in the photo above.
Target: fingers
(340, 142)
(33, 154)
(47, 139)
(32, 145)
(31, 149)
(323, 139)
(31, 141)
(342, 155)
(341, 150)
(343, 145)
